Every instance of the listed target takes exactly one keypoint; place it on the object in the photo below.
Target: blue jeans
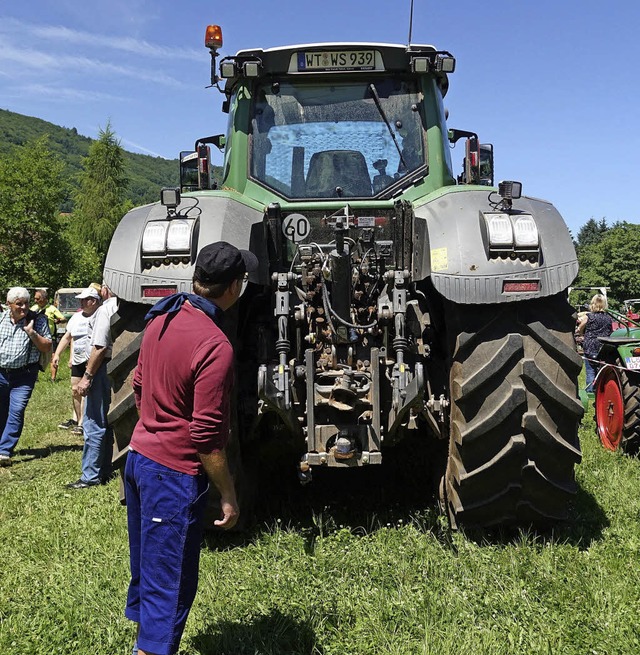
(15, 391)
(98, 437)
(164, 516)
(591, 370)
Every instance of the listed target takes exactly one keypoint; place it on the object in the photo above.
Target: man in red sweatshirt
(182, 386)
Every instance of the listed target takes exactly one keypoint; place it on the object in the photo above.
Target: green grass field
(322, 572)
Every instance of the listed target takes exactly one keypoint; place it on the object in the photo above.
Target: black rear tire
(515, 413)
(127, 327)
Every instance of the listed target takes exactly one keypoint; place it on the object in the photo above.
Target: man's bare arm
(95, 359)
(41, 343)
(62, 345)
(217, 470)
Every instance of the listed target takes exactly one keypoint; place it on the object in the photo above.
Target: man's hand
(230, 513)
(83, 386)
(28, 328)
(95, 361)
(217, 469)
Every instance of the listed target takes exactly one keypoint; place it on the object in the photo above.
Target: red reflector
(635, 352)
(515, 287)
(158, 292)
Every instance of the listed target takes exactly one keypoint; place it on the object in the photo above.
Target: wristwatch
(88, 376)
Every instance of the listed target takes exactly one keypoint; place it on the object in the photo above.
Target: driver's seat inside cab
(338, 173)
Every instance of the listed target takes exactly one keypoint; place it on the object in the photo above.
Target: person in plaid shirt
(23, 336)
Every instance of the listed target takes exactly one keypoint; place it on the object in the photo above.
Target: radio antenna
(410, 22)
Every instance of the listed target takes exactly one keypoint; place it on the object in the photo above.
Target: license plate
(337, 60)
(633, 362)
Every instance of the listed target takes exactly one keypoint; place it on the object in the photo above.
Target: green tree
(591, 232)
(33, 248)
(100, 200)
(86, 263)
(613, 261)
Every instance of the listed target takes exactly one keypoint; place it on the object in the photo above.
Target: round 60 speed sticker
(295, 227)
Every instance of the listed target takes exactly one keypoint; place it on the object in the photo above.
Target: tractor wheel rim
(609, 409)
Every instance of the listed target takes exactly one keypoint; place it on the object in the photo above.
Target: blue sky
(553, 85)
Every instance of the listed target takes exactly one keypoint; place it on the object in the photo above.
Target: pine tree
(591, 232)
(100, 201)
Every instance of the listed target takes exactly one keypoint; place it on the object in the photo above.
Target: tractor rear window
(336, 139)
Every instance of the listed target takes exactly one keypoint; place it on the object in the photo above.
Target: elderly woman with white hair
(23, 336)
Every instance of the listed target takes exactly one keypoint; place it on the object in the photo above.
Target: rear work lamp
(445, 64)
(154, 238)
(510, 189)
(500, 230)
(525, 232)
(179, 235)
(251, 68)
(228, 69)
(420, 64)
(170, 197)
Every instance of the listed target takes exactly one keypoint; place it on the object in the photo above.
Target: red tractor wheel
(609, 403)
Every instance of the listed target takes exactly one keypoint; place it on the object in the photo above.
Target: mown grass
(324, 571)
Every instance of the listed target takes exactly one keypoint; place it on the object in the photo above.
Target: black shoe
(80, 484)
(68, 424)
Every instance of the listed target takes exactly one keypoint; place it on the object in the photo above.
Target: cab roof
(393, 58)
(341, 44)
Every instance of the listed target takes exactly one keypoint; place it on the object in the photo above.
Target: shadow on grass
(28, 454)
(362, 500)
(400, 492)
(273, 634)
(586, 522)
(584, 526)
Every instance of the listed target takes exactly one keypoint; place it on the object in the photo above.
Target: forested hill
(147, 175)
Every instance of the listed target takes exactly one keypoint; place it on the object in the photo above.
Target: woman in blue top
(595, 323)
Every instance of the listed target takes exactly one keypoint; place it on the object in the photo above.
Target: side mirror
(478, 159)
(472, 161)
(195, 169)
(204, 167)
(188, 170)
(486, 164)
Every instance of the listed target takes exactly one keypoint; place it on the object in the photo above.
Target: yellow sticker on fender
(439, 259)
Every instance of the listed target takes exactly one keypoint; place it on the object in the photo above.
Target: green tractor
(617, 387)
(394, 301)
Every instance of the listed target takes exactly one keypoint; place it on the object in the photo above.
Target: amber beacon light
(213, 37)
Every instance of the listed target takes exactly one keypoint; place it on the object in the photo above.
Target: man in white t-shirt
(109, 301)
(94, 386)
(76, 336)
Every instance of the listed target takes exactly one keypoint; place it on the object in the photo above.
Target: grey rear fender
(451, 247)
(218, 218)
